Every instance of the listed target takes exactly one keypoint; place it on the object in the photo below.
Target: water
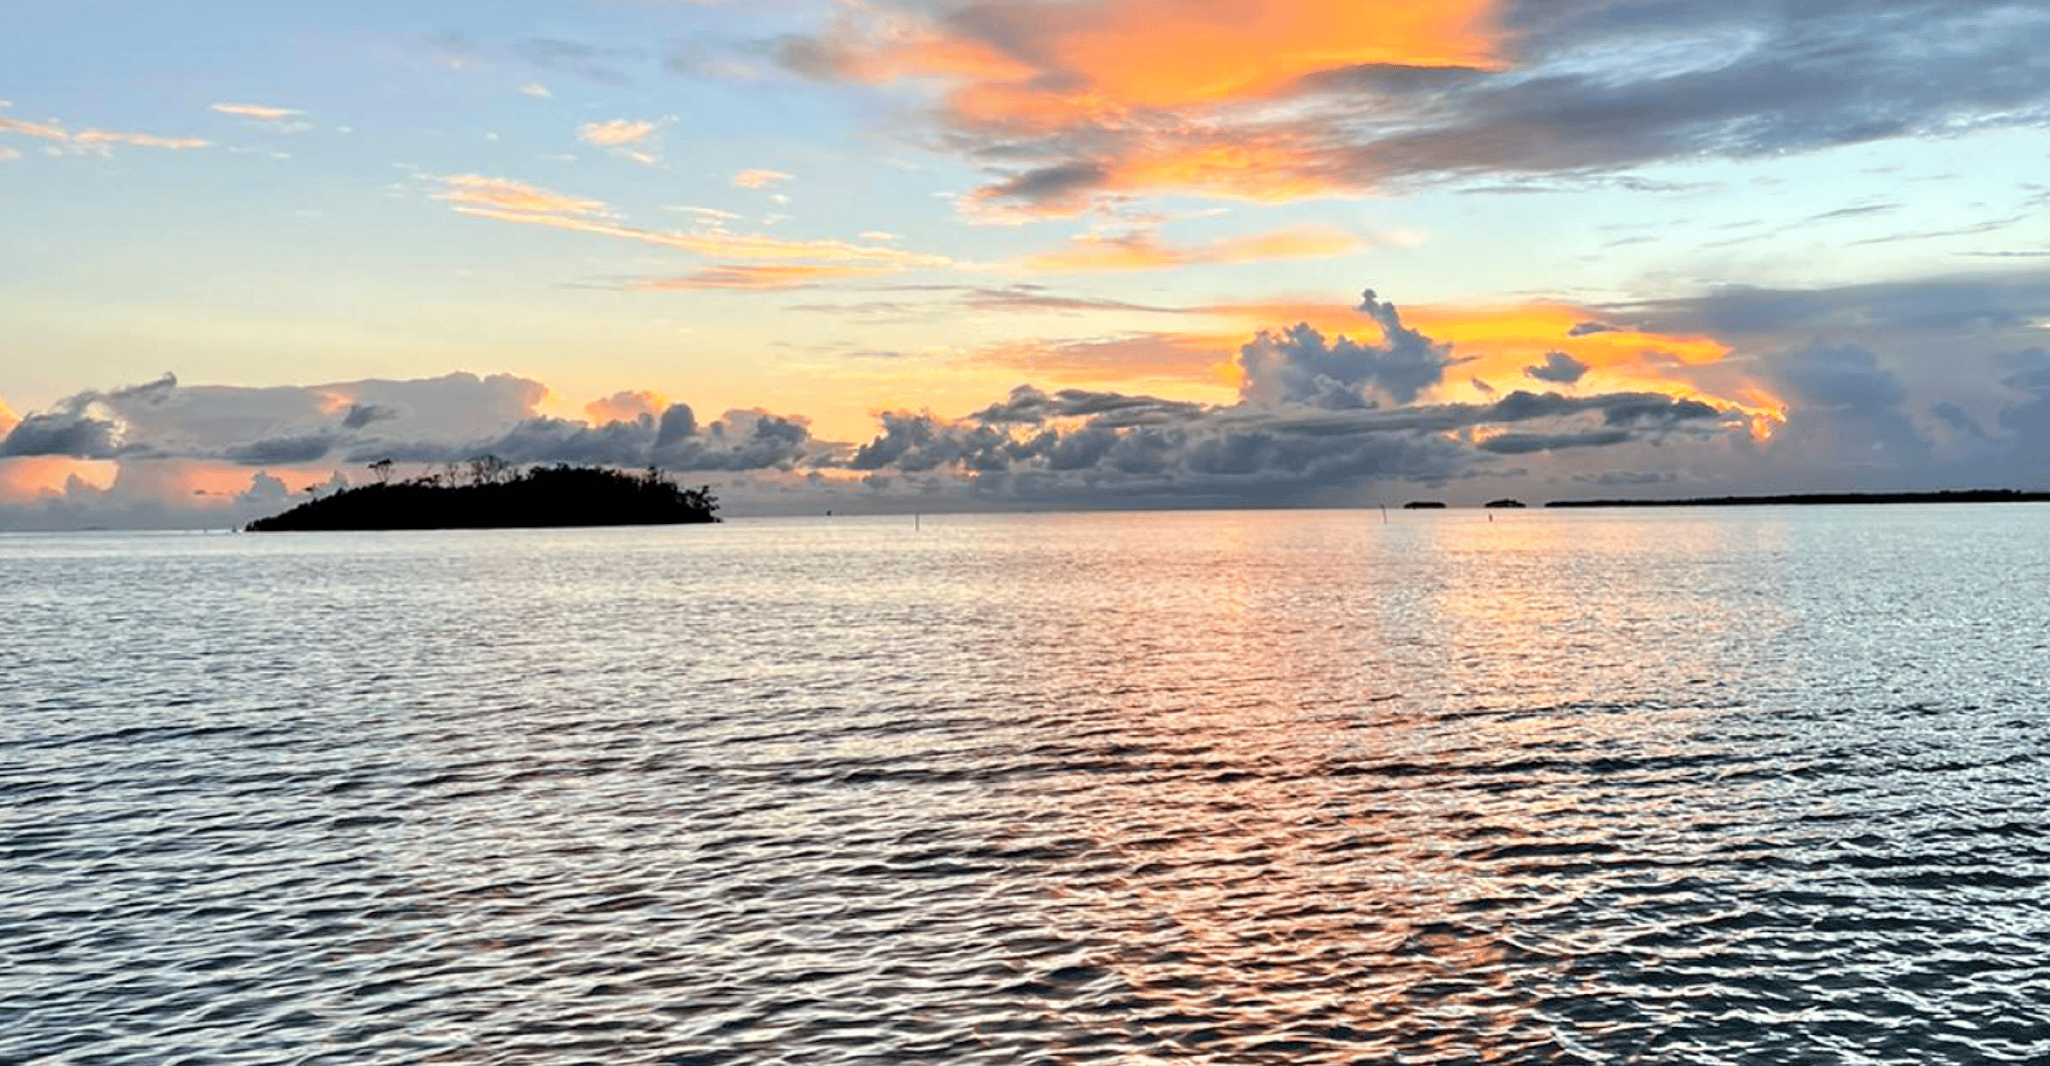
(1699, 786)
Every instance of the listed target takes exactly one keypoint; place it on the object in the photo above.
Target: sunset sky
(898, 254)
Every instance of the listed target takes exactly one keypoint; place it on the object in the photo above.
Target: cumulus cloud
(73, 434)
(93, 424)
(1300, 366)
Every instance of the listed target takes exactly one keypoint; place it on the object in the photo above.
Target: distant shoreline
(1820, 498)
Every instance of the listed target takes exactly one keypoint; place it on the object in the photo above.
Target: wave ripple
(1205, 788)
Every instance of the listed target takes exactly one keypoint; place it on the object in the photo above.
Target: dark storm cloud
(1558, 368)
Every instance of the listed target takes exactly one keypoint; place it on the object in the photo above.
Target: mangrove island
(489, 493)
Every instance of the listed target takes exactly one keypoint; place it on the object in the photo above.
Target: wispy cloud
(479, 193)
(1142, 251)
(143, 140)
(46, 131)
(259, 112)
(95, 140)
(537, 90)
(758, 178)
(761, 276)
(512, 201)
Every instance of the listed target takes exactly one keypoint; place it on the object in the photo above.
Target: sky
(893, 255)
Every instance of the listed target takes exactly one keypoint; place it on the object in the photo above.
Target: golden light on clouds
(1495, 345)
(1092, 54)
(505, 194)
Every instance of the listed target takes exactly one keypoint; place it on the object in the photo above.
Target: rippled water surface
(1694, 787)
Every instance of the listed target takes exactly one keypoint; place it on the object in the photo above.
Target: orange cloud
(44, 130)
(761, 276)
(96, 139)
(145, 140)
(614, 132)
(8, 419)
(504, 194)
(1148, 95)
(626, 406)
(1100, 54)
(257, 111)
(757, 178)
(1141, 252)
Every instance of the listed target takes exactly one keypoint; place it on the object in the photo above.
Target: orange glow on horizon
(27, 477)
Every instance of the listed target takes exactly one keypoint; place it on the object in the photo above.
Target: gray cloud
(1525, 443)
(77, 435)
(363, 414)
(281, 451)
(87, 425)
(1558, 368)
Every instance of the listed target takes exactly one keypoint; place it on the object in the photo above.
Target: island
(1814, 498)
(1503, 502)
(492, 494)
(1424, 505)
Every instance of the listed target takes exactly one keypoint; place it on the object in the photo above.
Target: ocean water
(1716, 786)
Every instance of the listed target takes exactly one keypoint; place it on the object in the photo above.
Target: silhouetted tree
(382, 470)
(489, 470)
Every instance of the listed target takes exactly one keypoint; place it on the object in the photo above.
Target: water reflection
(1210, 787)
